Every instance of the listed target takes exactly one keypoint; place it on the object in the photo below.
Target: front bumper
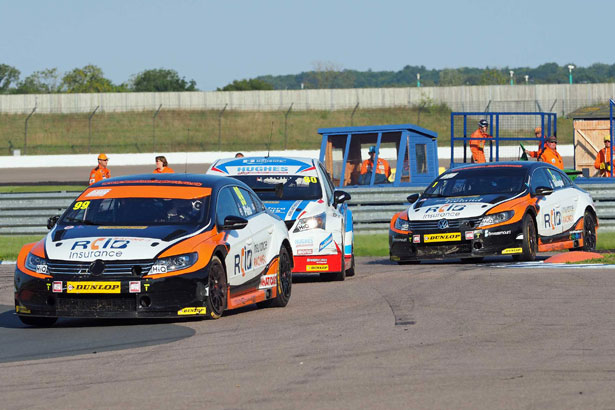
(111, 296)
(412, 246)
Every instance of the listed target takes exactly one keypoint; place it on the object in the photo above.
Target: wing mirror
(233, 222)
(339, 197)
(51, 222)
(412, 198)
(543, 190)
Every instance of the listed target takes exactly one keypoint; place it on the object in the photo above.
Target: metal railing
(372, 209)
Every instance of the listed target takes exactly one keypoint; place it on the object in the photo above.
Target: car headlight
(402, 224)
(36, 263)
(313, 222)
(496, 218)
(173, 263)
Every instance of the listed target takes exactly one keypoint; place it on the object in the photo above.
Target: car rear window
(283, 187)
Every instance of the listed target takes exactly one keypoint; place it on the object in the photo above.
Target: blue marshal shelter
(380, 155)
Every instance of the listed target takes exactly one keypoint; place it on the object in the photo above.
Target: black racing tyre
(284, 282)
(216, 301)
(37, 321)
(589, 233)
(530, 244)
(350, 271)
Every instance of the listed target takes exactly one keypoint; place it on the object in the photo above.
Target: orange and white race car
(168, 245)
(505, 208)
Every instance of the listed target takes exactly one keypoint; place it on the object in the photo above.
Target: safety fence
(27, 213)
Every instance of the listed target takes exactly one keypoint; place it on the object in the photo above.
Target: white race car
(300, 191)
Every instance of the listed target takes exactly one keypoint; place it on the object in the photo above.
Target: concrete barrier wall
(561, 98)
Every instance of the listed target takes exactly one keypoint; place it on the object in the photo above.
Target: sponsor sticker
(497, 233)
(41, 268)
(158, 269)
(328, 240)
(443, 237)
(22, 309)
(97, 192)
(301, 251)
(316, 268)
(197, 310)
(93, 287)
(122, 227)
(510, 251)
(416, 238)
(134, 286)
(56, 287)
(268, 281)
(469, 235)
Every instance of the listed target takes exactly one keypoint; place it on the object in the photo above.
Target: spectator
(239, 155)
(477, 142)
(162, 166)
(538, 134)
(549, 153)
(603, 159)
(101, 171)
(382, 168)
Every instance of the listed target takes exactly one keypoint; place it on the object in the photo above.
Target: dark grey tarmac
(428, 336)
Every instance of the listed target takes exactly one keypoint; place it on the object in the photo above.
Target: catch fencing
(372, 209)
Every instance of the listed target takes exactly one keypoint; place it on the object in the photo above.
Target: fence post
(90, 129)
(25, 138)
(352, 115)
(154, 126)
(286, 124)
(220, 127)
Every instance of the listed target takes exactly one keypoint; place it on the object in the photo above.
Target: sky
(217, 42)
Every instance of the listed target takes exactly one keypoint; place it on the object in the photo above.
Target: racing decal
(260, 166)
(445, 211)
(260, 254)
(197, 310)
(326, 242)
(303, 242)
(497, 233)
(416, 238)
(469, 235)
(443, 237)
(189, 190)
(552, 219)
(304, 251)
(134, 286)
(97, 192)
(316, 268)
(93, 287)
(243, 261)
(268, 281)
(122, 227)
(510, 251)
(22, 309)
(56, 287)
(98, 248)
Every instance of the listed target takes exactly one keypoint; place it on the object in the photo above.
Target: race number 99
(81, 205)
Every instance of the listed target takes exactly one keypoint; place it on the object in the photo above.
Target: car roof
(176, 179)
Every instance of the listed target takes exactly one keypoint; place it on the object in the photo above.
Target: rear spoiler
(277, 188)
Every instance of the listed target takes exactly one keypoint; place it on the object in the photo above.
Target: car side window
(557, 179)
(226, 206)
(541, 178)
(565, 179)
(258, 204)
(246, 205)
(327, 183)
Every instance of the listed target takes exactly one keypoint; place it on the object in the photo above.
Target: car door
(261, 226)
(568, 196)
(239, 258)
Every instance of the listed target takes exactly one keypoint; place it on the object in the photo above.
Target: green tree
(491, 76)
(247, 85)
(450, 76)
(8, 76)
(88, 79)
(161, 80)
(40, 82)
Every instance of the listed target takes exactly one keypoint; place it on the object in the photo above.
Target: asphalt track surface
(428, 336)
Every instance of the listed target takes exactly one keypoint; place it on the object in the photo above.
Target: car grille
(138, 267)
(96, 303)
(453, 224)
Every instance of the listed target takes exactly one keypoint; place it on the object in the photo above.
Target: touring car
(507, 208)
(300, 191)
(151, 246)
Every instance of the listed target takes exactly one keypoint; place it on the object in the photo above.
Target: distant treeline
(328, 76)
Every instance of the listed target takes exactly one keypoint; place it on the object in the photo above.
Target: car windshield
(293, 187)
(478, 181)
(137, 211)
